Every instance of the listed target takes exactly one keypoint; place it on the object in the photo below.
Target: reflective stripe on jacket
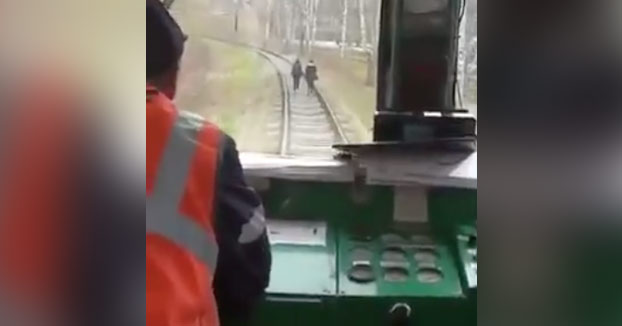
(181, 249)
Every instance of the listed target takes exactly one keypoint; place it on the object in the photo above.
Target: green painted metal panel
(296, 310)
(467, 256)
(309, 284)
(331, 202)
(304, 269)
(448, 286)
(448, 208)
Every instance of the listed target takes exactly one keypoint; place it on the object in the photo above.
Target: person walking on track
(297, 74)
(311, 76)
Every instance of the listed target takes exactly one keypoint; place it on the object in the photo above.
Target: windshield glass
(291, 77)
(466, 89)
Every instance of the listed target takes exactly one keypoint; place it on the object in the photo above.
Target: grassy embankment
(229, 85)
(236, 89)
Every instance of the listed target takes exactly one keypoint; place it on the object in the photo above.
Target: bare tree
(362, 23)
(372, 54)
(461, 60)
(291, 24)
(237, 4)
(316, 4)
(344, 28)
(467, 56)
(269, 15)
(302, 18)
(278, 21)
(307, 19)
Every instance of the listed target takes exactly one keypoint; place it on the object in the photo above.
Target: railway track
(308, 124)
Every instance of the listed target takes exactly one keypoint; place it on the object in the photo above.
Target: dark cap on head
(165, 40)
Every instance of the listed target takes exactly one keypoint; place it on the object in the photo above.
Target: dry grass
(229, 85)
(232, 87)
(343, 85)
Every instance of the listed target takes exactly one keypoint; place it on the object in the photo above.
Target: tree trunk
(461, 64)
(307, 21)
(278, 24)
(344, 27)
(316, 4)
(302, 23)
(372, 58)
(291, 26)
(269, 15)
(470, 83)
(235, 18)
(363, 25)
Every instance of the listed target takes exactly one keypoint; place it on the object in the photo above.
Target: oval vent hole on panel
(361, 273)
(396, 274)
(429, 275)
(393, 254)
(426, 255)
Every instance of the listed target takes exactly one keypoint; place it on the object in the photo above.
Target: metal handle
(399, 314)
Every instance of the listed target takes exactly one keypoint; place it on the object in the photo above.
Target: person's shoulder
(227, 141)
(195, 121)
(192, 120)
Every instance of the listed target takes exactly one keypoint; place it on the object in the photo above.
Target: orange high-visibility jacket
(181, 249)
